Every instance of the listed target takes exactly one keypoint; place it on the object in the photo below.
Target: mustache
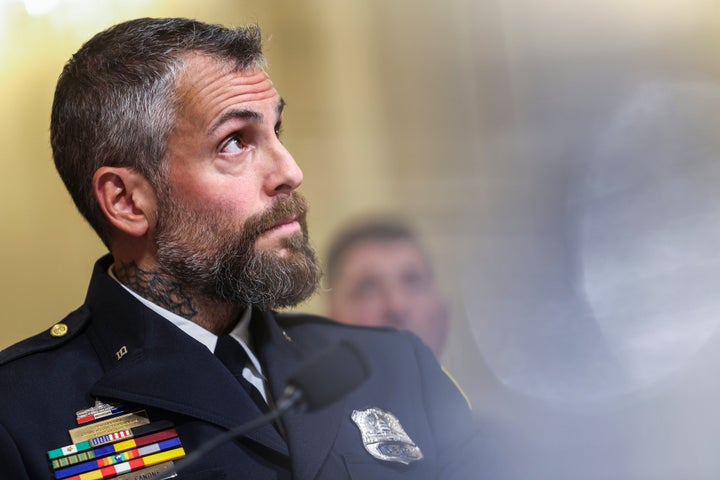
(294, 205)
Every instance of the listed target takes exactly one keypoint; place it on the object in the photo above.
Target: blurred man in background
(380, 275)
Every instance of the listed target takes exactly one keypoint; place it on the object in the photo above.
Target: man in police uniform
(166, 134)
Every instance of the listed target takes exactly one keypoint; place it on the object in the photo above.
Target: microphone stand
(342, 367)
(291, 398)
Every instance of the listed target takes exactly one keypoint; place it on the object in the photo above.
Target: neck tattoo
(156, 288)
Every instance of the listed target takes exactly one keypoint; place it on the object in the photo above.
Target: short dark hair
(364, 231)
(116, 103)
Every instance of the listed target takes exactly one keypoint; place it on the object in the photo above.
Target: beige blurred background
(473, 119)
(559, 157)
(327, 58)
(386, 113)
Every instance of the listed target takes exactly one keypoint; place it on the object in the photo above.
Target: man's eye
(416, 281)
(366, 289)
(278, 130)
(233, 145)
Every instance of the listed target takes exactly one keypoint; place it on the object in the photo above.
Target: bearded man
(166, 134)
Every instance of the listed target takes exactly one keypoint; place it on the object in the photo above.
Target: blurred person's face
(389, 283)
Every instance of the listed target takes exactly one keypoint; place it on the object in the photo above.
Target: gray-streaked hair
(115, 102)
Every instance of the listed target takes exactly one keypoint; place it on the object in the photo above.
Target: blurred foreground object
(618, 321)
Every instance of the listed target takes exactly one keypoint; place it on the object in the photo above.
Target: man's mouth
(288, 223)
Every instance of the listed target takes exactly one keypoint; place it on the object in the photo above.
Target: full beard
(206, 254)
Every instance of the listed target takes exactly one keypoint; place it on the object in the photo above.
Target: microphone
(327, 377)
(324, 379)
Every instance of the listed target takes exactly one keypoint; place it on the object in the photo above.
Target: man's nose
(285, 174)
(396, 307)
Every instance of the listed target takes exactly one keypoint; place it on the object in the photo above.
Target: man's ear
(126, 198)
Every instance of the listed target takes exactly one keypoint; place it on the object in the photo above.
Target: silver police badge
(384, 437)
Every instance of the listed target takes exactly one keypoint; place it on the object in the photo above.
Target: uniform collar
(240, 332)
(138, 350)
(149, 361)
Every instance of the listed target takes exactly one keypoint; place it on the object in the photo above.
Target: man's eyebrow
(244, 114)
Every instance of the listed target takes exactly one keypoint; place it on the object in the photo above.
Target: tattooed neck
(156, 288)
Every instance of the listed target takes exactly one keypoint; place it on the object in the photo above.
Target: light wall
(499, 127)
(48, 250)
(372, 92)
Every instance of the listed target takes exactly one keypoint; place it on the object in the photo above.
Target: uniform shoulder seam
(49, 339)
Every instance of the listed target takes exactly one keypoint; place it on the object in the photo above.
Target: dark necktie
(233, 355)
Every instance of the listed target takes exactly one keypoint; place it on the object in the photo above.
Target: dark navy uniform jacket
(116, 349)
